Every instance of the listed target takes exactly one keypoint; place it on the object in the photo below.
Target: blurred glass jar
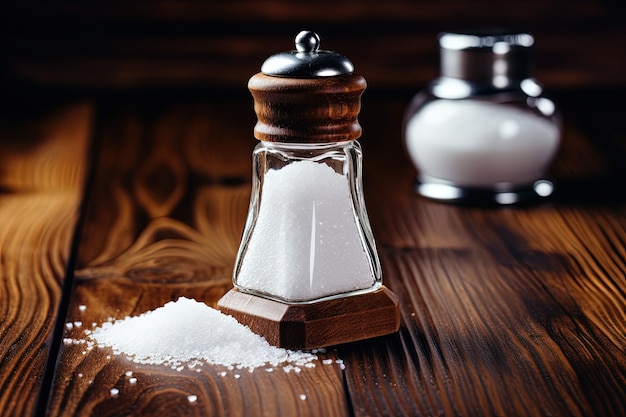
(483, 132)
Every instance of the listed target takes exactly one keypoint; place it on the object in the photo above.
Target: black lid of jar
(497, 59)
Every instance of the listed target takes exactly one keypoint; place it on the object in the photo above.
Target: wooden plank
(164, 220)
(393, 44)
(401, 61)
(43, 160)
(280, 10)
(485, 340)
(516, 311)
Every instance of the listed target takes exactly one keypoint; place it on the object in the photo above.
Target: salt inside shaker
(307, 272)
(483, 131)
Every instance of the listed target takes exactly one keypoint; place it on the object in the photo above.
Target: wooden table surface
(120, 203)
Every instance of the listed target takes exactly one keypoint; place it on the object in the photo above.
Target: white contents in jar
(187, 332)
(479, 143)
(306, 242)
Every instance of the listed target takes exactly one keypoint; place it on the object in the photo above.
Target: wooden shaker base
(318, 324)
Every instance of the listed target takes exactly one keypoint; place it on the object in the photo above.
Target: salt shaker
(483, 132)
(307, 272)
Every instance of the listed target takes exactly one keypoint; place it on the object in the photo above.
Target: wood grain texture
(504, 311)
(515, 311)
(111, 44)
(307, 110)
(43, 158)
(496, 329)
(165, 218)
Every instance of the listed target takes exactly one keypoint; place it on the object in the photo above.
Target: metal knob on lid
(498, 60)
(307, 60)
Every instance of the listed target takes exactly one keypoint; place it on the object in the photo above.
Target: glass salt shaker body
(483, 131)
(307, 236)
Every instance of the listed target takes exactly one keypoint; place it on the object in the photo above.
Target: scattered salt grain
(192, 398)
(82, 307)
(187, 331)
(132, 381)
(303, 397)
(114, 392)
(69, 326)
(129, 373)
(327, 361)
(78, 324)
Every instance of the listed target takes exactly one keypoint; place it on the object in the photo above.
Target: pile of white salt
(188, 333)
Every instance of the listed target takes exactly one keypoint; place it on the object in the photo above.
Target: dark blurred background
(112, 45)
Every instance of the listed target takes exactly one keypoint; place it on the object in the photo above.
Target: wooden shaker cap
(307, 110)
